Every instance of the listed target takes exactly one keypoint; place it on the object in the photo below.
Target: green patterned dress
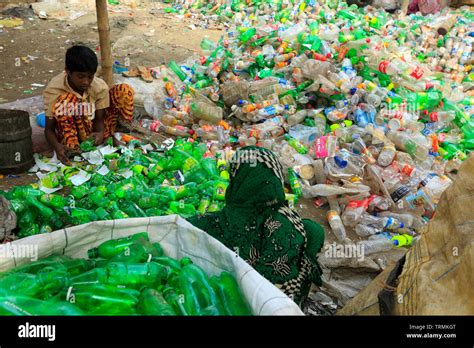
(258, 224)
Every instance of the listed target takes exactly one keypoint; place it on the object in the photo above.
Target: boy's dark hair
(81, 59)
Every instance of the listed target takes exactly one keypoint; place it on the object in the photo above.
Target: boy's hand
(61, 153)
(98, 138)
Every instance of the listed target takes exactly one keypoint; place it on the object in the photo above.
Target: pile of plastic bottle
(126, 276)
(187, 179)
(367, 112)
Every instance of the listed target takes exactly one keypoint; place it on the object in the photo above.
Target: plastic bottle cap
(395, 242)
(340, 162)
(93, 253)
(333, 127)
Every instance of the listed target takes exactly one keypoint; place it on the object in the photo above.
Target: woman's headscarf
(259, 225)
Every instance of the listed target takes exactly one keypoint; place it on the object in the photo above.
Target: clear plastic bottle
(297, 117)
(207, 112)
(337, 226)
(353, 212)
(376, 245)
(365, 231)
(387, 155)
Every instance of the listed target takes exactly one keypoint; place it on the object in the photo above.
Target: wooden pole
(104, 40)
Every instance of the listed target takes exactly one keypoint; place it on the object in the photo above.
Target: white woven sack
(178, 238)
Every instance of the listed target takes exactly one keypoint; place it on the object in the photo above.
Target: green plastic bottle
(124, 190)
(223, 168)
(460, 119)
(102, 214)
(97, 196)
(232, 300)
(40, 285)
(43, 210)
(21, 192)
(114, 247)
(154, 212)
(199, 296)
(176, 300)
(183, 209)
(149, 200)
(79, 192)
(100, 299)
(177, 70)
(31, 230)
(210, 166)
(214, 207)
(18, 206)
(204, 205)
(118, 214)
(151, 302)
(82, 216)
(141, 251)
(52, 200)
(27, 306)
(94, 276)
(294, 183)
(300, 148)
(27, 218)
(247, 34)
(51, 180)
(173, 264)
(77, 266)
(132, 210)
(186, 190)
(136, 274)
(220, 188)
(196, 175)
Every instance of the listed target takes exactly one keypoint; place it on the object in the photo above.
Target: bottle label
(427, 179)
(270, 110)
(154, 126)
(428, 128)
(429, 85)
(407, 169)
(417, 73)
(321, 148)
(383, 66)
(399, 193)
(179, 176)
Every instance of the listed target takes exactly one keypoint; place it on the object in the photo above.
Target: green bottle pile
(179, 181)
(126, 276)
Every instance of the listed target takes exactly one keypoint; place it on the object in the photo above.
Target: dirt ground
(145, 38)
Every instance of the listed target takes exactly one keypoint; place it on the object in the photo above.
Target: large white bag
(177, 237)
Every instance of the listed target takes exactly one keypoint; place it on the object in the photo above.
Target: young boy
(79, 106)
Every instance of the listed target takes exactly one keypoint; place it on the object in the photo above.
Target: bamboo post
(104, 40)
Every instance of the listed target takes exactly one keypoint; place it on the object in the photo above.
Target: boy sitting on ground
(80, 106)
